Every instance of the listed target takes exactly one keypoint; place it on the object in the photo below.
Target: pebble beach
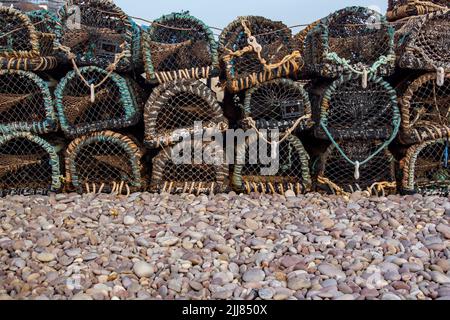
(227, 246)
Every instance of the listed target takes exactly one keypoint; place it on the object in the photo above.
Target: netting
(96, 32)
(426, 168)
(335, 174)
(300, 37)
(27, 40)
(105, 162)
(423, 42)
(28, 165)
(111, 104)
(26, 103)
(399, 9)
(355, 39)
(255, 50)
(197, 167)
(425, 109)
(278, 104)
(179, 46)
(178, 105)
(288, 168)
(346, 110)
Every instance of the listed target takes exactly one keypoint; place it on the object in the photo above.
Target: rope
(334, 187)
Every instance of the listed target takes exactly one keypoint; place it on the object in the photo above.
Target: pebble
(129, 220)
(46, 257)
(254, 275)
(143, 269)
(331, 271)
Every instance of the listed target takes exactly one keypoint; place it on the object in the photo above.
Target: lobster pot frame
(338, 175)
(425, 109)
(399, 9)
(26, 103)
(179, 46)
(195, 168)
(177, 106)
(250, 175)
(278, 104)
(28, 165)
(27, 41)
(255, 50)
(423, 43)
(104, 33)
(113, 104)
(351, 40)
(349, 111)
(426, 168)
(105, 162)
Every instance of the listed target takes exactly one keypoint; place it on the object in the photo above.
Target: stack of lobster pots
(348, 56)
(422, 39)
(259, 58)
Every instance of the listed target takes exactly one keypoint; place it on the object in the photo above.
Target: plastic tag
(440, 76)
(357, 174)
(92, 93)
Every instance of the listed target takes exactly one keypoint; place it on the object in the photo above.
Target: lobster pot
(25, 103)
(338, 175)
(255, 50)
(278, 104)
(175, 108)
(179, 46)
(351, 40)
(425, 109)
(27, 41)
(28, 165)
(399, 9)
(426, 168)
(300, 37)
(346, 110)
(103, 32)
(113, 103)
(105, 162)
(265, 168)
(423, 43)
(193, 167)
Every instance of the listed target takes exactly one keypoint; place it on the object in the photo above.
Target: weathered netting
(399, 9)
(255, 50)
(104, 34)
(426, 168)
(425, 109)
(423, 42)
(27, 40)
(292, 172)
(179, 46)
(178, 105)
(111, 105)
(352, 40)
(105, 162)
(345, 110)
(335, 174)
(203, 169)
(278, 104)
(28, 165)
(26, 103)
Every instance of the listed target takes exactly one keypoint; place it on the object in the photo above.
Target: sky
(219, 13)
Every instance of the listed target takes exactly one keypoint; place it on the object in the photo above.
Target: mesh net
(28, 165)
(426, 168)
(399, 9)
(114, 106)
(26, 41)
(179, 46)
(178, 105)
(425, 108)
(240, 43)
(349, 40)
(424, 42)
(288, 168)
(25, 103)
(104, 31)
(348, 111)
(278, 104)
(337, 174)
(105, 162)
(195, 168)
